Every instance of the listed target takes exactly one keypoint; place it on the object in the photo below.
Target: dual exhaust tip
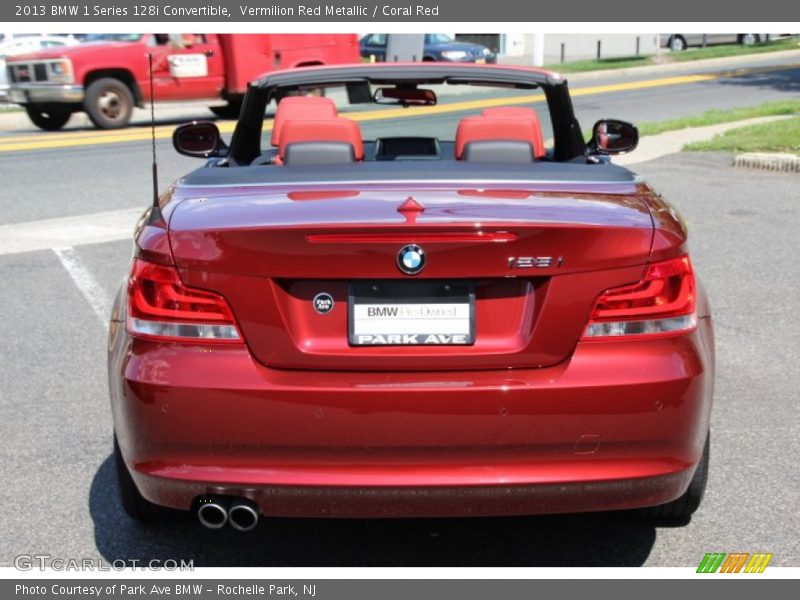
(214, 512)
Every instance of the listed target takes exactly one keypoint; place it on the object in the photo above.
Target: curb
(782, 163)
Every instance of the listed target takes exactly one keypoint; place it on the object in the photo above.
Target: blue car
(437, 47)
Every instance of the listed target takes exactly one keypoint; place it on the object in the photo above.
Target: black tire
(229, 111)
(748, 39)
(136, 506)
(677, 43)
(46, 118)
(109, 103)
(684, 507)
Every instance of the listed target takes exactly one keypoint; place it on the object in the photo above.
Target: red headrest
(476, 129)
(301, 107)
(336, 129)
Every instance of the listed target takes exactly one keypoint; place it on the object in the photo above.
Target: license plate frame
(452, 298)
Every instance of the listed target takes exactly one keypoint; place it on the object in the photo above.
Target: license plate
(480, 61)
(411, 313)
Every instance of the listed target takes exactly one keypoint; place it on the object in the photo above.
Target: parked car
(680, 41)
(108, 76)
(23, 44)
(437, 47)
(479, 324)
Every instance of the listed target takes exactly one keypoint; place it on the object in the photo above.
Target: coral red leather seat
(499, 139)
(301, 107)
(320, 141)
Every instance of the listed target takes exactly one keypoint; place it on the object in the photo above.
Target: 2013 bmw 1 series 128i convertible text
(394, 312)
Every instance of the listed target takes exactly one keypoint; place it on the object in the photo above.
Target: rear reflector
(160, 306)
(663, 302)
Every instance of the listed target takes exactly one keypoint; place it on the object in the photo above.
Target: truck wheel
(109, 103)
(230, 111)
(48, 119)
(134, 504)
(685, 506)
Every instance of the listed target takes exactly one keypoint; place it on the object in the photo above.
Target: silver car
(681, 41)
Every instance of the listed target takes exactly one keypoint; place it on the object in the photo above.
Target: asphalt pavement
(58, 495)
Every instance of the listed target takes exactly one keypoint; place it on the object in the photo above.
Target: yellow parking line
(87, 138)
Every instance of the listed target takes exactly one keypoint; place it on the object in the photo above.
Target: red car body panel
(387, 431)
(197, 421)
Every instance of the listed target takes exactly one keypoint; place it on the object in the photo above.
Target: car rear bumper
(43, 93)
(619, 425)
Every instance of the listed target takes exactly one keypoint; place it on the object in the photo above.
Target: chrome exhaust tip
(212, 514)
(243, 515)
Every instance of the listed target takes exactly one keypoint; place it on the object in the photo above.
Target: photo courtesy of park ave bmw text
(398, 299)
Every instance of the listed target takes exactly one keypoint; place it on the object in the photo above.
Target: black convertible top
(445, 172)
(427, 73)
(568, 142)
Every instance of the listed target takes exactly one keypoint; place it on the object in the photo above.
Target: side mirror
(610, 136)
(198, 139)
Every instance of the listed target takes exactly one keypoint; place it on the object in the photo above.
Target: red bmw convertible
(420, 294)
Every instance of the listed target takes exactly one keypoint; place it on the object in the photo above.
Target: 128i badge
(323, 303)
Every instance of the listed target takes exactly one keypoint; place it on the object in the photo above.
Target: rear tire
(684, 507)
(48, 119)
(109, 103)
(136, 506)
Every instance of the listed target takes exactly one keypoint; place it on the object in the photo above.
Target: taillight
(160, 306)
(663, 302)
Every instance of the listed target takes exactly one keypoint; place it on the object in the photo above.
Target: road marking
(68, 231)
(86, 138)
(86, 283)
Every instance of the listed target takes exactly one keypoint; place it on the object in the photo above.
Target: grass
(715, 116)
(624, 62)
(580, 66)
(734, 50)
(777, 136)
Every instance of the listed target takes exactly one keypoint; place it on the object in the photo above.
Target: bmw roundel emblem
(411, 259)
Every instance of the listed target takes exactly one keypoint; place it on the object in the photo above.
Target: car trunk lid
(534, 259)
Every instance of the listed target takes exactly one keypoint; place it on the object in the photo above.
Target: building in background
(518, 48)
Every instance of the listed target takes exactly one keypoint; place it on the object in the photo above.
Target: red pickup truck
(109, 76)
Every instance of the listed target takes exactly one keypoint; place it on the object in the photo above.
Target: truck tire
(230, 111)
(684, 507)
(47, 118)
(109, 103)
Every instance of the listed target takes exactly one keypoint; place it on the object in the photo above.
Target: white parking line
(91, 228)
(87, 284)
